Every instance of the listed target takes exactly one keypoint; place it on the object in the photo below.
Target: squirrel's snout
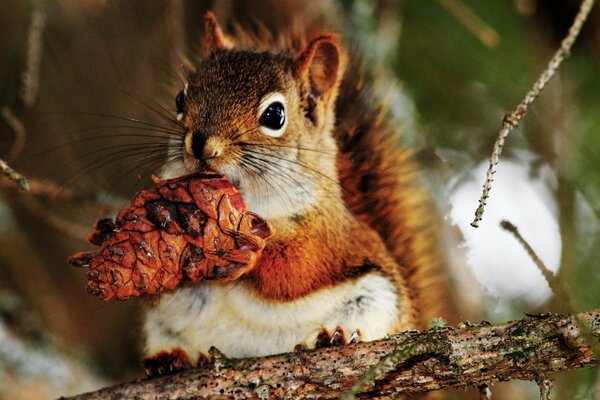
(203, 147)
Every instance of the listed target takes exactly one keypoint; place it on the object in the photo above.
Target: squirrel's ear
(213, 38)
(324, 60)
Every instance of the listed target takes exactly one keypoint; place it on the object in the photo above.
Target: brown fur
(379, 219)
(383, 188)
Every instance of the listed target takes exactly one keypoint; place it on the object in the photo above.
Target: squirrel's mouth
(195, 166)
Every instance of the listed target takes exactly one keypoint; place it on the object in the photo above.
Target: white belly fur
(239, 324)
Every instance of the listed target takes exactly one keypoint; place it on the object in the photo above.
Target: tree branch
(16, 177)
(471, 356)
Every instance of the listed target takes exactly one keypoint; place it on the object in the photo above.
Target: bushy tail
(382, 187)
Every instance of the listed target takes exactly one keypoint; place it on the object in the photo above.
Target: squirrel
(354, 256)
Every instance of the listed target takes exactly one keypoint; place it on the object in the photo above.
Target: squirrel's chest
(231, 318)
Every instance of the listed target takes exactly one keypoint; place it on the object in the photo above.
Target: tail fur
(382, 187)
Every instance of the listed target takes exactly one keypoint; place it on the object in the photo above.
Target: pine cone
(186, 229)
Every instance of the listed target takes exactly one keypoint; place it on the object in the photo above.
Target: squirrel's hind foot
(167, 362)
(338, 337)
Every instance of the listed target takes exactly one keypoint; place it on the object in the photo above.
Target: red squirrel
(354, 255)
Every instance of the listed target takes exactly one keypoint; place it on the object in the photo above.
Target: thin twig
(19, 135)
(485, 392)
(556, 286)
(45, 189)
(30, 77)
(482, 31)
(513, 119)
(51, 191)
(14, 176)
(545, 385)
(548, 275)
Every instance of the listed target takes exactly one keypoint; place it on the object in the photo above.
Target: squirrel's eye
(272, 118)
(180, 104)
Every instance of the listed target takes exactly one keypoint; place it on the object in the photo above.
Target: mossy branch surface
(436, 359)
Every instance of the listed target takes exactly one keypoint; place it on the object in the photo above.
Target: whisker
(235, 135)
(100, 163)
(277, 186)
(331, 153)
(302, 165)
(165, 114)
(309, 174)
(124, 146)
(129, 151)
(104, 115)
(280, 170)
(152, 164)
(100, 137)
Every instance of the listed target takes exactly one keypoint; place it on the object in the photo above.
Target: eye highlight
(271, 115)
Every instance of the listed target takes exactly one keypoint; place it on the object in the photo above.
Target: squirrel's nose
(198, 144)
(203, 148)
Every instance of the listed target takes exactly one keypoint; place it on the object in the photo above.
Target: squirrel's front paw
(166, 362)
(229, 265)
(325, 338)
(338, 337)
(169, 362)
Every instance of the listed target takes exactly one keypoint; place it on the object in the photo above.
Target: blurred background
(73, 75)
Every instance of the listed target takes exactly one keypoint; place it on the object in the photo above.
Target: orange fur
(317, 255)
(383, 214)
(384, 189)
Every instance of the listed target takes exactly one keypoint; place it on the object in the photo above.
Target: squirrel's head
(265, 120)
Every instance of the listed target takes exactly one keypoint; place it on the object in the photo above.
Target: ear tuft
(213, 38)
(324, 60)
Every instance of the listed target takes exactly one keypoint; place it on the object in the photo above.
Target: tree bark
(469, 356)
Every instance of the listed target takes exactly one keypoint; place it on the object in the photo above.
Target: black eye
(180, 102)
(273, 117)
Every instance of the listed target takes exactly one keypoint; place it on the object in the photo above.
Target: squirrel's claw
(232, 264)
(355, 337)
(337, 338)
(166, 362)
(245, 241)
(229, 265)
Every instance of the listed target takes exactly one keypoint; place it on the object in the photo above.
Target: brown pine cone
(191, 228)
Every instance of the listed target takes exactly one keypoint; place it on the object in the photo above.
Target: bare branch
(484, 392)
(439, 359)
(513, 119)
(18, 129)
(48, 190)
(30, 78)
(545, 385)
(554, 284)
(14, 176)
